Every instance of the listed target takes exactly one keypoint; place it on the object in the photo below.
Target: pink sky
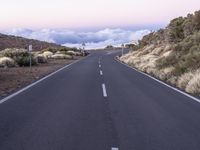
(95, 13)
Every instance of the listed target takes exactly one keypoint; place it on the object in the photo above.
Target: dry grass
(173, 80)
(184, 79)
(171, 54)
(194, 85)
(157, 51)
(147, 59)
(166, 54)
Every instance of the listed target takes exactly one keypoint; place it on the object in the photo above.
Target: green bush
(13, 53)
(25, 61)
(176, 32)
(184, 55)
(20, 56)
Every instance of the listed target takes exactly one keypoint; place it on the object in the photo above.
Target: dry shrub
(47, 54)
(61, 56)
(148, 58)
(184, 79)
(142, 67)
(136, 62)
(168, 47)
(132, 53)
(141, 53)
(168, 70)
(172, 80)
(153, 72)
(157, 51)
(165, 60)
(7, 62)
(128, 59)
(149, 48)
(60, 52)
(71, 53)
(41, 58)
(166, 54)
(78, 54)
(194, 85)
(162, 75)
(150, 70)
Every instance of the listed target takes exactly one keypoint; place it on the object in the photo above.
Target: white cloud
(71, 38)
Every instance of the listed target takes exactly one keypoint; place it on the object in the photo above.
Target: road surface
(99, 104)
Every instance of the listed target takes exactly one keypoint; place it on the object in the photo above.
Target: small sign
(30, 48)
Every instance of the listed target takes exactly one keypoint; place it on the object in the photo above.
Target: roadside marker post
(30, 48)
(83, 48)
(122, 49)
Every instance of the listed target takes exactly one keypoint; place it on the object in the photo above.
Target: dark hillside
(8, 41)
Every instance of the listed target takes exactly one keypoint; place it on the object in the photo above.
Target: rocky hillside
(171, 54)
(8, 41)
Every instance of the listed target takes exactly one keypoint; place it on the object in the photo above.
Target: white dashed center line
(99, 66)
(114, 148)
(104, 91)
(101, 72)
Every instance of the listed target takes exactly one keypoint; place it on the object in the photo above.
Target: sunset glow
(92, 13)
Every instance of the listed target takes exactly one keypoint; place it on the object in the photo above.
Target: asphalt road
(99, 104)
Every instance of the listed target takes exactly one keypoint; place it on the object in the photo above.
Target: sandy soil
(13, 79)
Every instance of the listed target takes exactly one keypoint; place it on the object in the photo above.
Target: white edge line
(169, 86)
(36, 82)
(104, 90)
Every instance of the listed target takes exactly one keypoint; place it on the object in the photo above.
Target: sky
(89, 16)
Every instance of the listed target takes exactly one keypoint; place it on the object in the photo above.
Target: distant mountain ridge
(10, 41)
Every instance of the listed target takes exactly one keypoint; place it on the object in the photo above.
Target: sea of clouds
(72, 38)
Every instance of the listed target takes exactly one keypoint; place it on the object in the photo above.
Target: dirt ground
(12, 79)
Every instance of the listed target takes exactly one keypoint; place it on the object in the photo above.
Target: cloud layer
(97, 39)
